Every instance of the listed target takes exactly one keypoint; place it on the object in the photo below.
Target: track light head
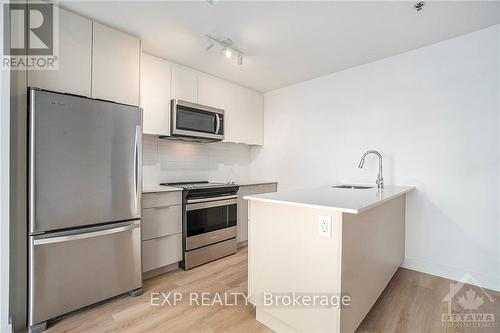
(419, 5)
(210, 44)
(227, 52)
(240, 59)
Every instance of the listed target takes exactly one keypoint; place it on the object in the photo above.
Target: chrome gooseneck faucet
(380, 178)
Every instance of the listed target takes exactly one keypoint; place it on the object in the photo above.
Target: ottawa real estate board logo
(30, 35)
(468, 307)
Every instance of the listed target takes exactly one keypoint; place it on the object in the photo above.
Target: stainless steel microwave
(195, 122)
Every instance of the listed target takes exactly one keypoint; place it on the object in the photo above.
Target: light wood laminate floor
(412, 302)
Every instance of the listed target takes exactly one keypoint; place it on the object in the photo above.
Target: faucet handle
(380, 182)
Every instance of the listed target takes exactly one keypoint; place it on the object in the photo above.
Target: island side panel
(373, 245)
(286, 254)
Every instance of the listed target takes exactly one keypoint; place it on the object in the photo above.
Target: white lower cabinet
(161, 199)
(161, 229)
(161, 252)
(242, 214)
(161, 221)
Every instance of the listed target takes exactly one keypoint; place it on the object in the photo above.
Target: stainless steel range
(208, 221)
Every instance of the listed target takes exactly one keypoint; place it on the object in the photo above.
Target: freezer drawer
(72, 270)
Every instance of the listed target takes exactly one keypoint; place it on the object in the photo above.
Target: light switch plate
(325, 226)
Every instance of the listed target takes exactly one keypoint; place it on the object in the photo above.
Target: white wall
(173, 161)
(434, 115)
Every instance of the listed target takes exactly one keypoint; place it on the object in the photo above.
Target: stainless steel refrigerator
(84, 203)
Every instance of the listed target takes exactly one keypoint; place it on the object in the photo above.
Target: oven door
(197, 121)
(207, 215)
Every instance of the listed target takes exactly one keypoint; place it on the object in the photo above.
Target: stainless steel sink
(353, 187)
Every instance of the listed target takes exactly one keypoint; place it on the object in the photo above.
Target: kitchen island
(319, 258)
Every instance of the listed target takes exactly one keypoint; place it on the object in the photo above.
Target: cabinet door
(161, 221)
(243, 108)
(246, 116)
(160, 199)
(161, 252)
(74, 58)
(156, 75)
(214, 92)
(115, 65)
(242, 226)
(184, 84)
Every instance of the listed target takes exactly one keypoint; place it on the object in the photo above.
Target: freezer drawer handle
(85, 235)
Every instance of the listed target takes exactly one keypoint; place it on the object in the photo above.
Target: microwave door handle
(217, 126)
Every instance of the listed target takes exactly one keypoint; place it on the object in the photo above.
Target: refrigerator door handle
(138, 169)
(69, 238)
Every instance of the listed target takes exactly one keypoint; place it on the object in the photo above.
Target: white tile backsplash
(171, 161)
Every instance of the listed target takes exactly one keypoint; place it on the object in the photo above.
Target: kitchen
(169, 160)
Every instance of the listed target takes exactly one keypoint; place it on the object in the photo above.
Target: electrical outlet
(325, 226)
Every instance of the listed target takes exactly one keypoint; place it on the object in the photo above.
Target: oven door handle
(210, 204)
(212, 199)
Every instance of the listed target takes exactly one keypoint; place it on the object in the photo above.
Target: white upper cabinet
(244, 109)
(214, 92)
(246, 116)
(75, 55)
(184, 84)
(115, 65)
(156, 77)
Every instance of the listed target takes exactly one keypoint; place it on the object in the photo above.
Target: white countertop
(337, 199)
(160, 188)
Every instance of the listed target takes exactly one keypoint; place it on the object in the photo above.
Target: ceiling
(286, 42)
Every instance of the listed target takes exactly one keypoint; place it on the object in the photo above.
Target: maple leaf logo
(470, 301)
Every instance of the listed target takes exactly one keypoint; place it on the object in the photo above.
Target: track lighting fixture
(227, 52)
(210, 44)
(226, 46)
(419, 6)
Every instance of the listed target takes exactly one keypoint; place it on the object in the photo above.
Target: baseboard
(158, 271)
(242, 244)
(487, 281)
(272, 322)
